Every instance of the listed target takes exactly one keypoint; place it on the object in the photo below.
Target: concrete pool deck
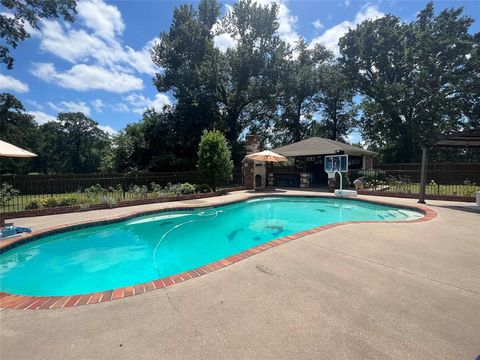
(400, 291)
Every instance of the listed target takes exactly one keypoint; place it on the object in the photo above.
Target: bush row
(51, 202)
(112, 195)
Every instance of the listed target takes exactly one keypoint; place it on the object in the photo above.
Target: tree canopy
(72, 144)
(417, 80)
(24, 13)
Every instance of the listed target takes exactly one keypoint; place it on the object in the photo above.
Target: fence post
(423, 175)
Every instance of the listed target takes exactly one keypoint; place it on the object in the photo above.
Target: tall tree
(18, 128)
(21, 13)
(226, 90)
(124, 148)
(154, 143)
(185, 54)
(335, 100)
(84, 142)
(51, 149)
(250, 71)
(301, 81)
(414, 78)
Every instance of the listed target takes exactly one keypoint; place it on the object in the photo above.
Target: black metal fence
(454, 183)
(440, 182)
(26, 192)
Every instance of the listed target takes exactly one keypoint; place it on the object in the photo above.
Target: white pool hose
(200, 214)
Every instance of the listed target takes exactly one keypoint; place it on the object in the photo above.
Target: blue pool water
(150, 247)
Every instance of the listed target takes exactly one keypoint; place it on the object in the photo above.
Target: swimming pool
(150, 247)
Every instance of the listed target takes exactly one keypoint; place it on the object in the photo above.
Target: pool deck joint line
(24, 302)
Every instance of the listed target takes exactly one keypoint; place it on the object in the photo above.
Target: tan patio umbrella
(9, 150)
(266, 156)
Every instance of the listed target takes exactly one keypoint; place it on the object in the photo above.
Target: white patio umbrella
(266, 156)
(9, 150)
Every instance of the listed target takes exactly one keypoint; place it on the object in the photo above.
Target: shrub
(84, 207)
(116, 192)
(156, 188)
(35, 204)
(171, 188)
(68, 201)
(95, 191)
(51, 202)
(138, 191)
(115, 189)
(203, 188)
(105, 200)
(185, 189)
(7, 193)
(214, 158)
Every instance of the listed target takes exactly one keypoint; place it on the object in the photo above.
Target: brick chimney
(253, 171)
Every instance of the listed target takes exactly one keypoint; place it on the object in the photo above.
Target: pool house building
(307, 166)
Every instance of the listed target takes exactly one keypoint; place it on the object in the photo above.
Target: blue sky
(100, 64)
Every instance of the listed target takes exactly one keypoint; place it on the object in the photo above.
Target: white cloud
(54, 107)
(70, 106)
(120, 107)
(331, 36)
(141, 60)
(224, 42)
(87, 47)
(97, 104)
(317, 24)
(12, 84)
(94, 46)
(84, 77)
(160, 101)
(41, 117)
(35, 104)
(139, 103)
(108, 129)
(105, 20)
(286, 23)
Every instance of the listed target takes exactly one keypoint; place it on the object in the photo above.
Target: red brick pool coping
(22, 302)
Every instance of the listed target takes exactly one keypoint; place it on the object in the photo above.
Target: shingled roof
(470, 138)
(320, 146)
